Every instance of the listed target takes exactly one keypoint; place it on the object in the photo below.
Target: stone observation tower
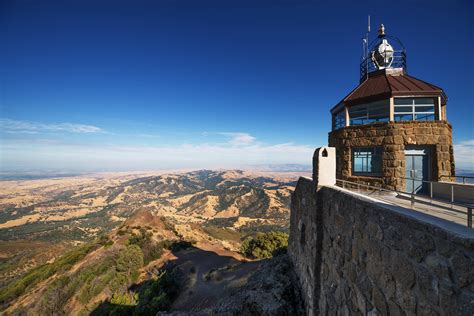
(392, 127)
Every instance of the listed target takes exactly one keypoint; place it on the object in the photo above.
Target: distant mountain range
(83, 206)
(49, 174)
(282, 167)
(99, 216)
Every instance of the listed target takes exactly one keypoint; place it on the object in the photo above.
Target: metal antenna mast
(367, 48)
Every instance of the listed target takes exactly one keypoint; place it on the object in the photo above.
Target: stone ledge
(438, 223)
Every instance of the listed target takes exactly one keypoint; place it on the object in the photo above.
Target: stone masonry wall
(393, 137)
(357, 256)
(303, 235)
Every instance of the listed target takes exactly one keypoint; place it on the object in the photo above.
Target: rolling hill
(81, 244)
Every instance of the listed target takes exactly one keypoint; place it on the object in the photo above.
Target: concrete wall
(354, 255)
(393, 137)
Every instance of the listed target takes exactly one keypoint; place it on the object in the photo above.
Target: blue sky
(135, 85)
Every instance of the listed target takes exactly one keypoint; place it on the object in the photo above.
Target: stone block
(420, 131)
(389, 140)
(463, 269)
(398, 139)
(443, 139)
(407, 131)
(440, 266)
(379, 301)
(404, 272)
(409, 139)
(394, 309)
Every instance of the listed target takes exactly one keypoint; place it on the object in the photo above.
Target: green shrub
(63, 263)
(152, 251)
(222, 233)
(113, 272)
(157, 295)
(141, 238)
(127, 298)
(176, 245)
(264, 245)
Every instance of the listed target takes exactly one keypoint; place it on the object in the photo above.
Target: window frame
(377, 151)
(411, 109)
(368, 109)
(337, 115)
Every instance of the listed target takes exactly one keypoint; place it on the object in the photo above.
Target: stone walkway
(444, 210)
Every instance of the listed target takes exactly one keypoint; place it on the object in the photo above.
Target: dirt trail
(210, 273)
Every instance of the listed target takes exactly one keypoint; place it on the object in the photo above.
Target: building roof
(387, 83)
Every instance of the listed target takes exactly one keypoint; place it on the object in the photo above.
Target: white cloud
(239, 139)
(47, 155)
(15, 126)
(239, 149)
(464, 154)
(148, 135)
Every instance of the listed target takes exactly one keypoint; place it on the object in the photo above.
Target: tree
(264, 245)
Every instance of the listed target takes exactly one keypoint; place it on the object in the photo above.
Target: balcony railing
(452, 205)
(459, 179)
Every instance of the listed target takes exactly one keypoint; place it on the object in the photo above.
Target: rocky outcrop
(272, 290)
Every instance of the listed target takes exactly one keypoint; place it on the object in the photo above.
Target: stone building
(392, 128)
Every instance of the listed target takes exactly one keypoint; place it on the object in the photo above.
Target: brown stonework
(355, 256)
(393, 137)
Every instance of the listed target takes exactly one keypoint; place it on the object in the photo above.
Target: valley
(64, 242)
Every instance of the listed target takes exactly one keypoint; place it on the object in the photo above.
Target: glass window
(378, 111)
(424, 108)
(421, 101)
(424, 117)
(414, 109)
(339, 119)
(367, 160)
(403, 117)
(403, 101)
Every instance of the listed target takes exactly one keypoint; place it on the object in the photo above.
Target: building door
(417, 162)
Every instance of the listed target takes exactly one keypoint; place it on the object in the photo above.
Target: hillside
(122, 231)
(82, 207)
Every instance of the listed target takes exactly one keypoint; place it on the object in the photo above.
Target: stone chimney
(324, 166)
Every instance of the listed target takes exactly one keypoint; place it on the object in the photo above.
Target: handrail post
(452, 195)
(469, 217)
(431, 192)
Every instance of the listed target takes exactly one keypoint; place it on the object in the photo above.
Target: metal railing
(399, 60)
(413, 196)
(430, 183)
(470, 179)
